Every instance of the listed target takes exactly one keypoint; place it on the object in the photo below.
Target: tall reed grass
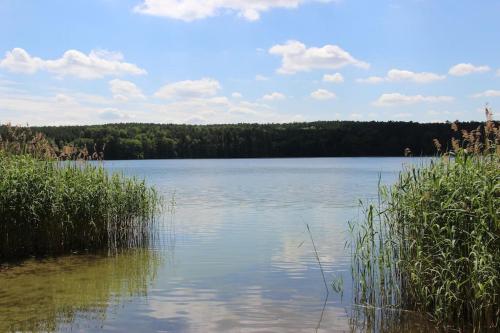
(431, 245)
(50, 206)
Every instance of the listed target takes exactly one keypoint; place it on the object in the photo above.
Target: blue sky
(231, 61)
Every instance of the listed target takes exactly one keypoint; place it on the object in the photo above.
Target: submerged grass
(54, 294)
(50, 206)
(432, 243)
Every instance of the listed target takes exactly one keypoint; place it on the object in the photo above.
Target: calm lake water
(235, 256)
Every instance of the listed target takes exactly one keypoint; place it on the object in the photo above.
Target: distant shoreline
(137, 141)
(260, 158)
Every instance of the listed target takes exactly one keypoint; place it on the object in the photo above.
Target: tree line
(311, 139)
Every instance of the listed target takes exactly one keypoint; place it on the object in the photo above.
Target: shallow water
(235, 256)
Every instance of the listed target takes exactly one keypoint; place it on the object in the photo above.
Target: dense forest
(313, 139)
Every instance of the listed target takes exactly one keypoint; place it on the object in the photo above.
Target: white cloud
(323, 94)
(466, 69)
(260, 77)
(190, 10)
(371, 80)
(275, 96)
(219, 100)
(242, 110)
(66, 107)
(125, 90)
(189, 89)
(334, 78)
(395, 75)
(296, 57)
(196, 120)
(404, 75)
(97, 64)
(394, 99)
(236, 95)
(7, 83)
(113, 114)
(498, 72)
(63, 108)
(64, 99)
(245, 108)
(356, 116)
(487, 93)
(18, 60)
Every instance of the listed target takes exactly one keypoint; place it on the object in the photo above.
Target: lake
(233, 256)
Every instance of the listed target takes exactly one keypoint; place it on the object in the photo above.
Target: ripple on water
(236, 256)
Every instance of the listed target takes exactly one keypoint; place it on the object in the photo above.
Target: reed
(431, 245)
(49, 205)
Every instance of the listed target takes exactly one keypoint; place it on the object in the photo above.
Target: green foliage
(432, 245)
(315, 139)
(52, 207)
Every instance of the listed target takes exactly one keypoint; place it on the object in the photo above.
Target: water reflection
(203, 310)
(370, 319)
(52, 294)
(236, 257)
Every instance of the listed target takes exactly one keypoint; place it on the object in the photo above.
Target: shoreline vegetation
(312, 139)
(54, 201)
(431, 245)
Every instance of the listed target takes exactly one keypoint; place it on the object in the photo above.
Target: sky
(232, 61)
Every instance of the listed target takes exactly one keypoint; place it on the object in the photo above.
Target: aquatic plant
(50, 206)
(54, 294)
(431, 245)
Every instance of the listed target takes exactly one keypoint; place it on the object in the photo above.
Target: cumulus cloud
(323, 94)
(18, 60)
(97, 64)
(395, 75)
(275, 96)
(296, 57)
(64, 108)
(466, 69)
(219, 100)
(191, 101)
(487, 93)
(190, 10)
(71, 107)
(189, 89)
(125, 90)
(394, 99)
(371, 80)
(242, 110)
(248, 108)
(333, 78)
(113, 114)
(404, 75)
